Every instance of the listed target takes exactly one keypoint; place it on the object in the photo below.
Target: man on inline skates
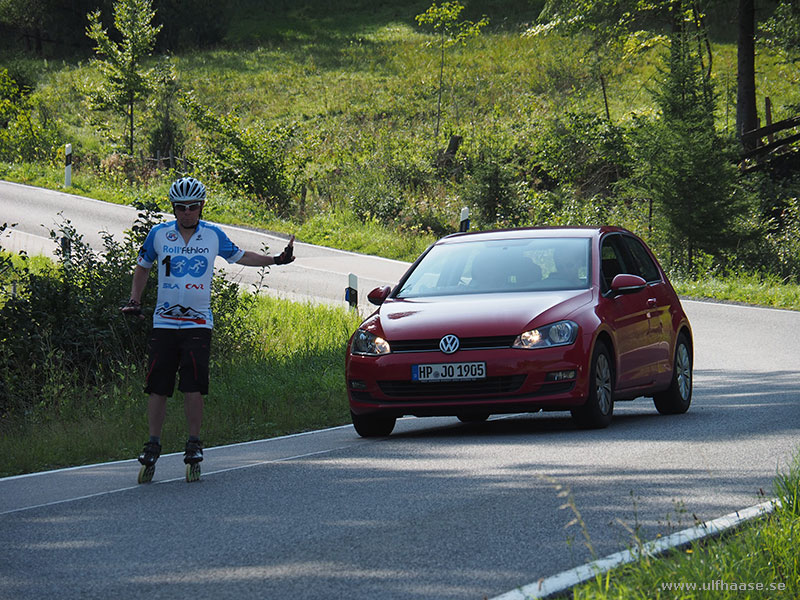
(184, 251)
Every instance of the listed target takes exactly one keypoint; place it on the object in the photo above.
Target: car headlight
(562, 333)
(369, 344)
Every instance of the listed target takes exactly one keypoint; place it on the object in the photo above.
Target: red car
(522, 320)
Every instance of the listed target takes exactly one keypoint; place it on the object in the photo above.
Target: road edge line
(562, 582)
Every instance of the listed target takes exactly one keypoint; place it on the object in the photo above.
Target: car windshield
(492, 266)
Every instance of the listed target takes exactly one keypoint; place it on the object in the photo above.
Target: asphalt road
(318, 274)
(438, 510)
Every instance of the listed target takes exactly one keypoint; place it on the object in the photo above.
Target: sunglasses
(190, 207)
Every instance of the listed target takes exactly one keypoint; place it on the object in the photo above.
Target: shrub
(372, 193)
(581, 150)
(250, 159)
(63, 339)
(26, 131)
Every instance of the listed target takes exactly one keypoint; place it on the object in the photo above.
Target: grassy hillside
(340, 100)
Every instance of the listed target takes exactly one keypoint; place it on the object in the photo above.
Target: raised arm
(256, 259)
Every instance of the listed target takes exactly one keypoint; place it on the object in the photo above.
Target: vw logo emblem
(449, 344)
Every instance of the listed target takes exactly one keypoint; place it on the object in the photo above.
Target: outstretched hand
(132, 309)
(287, 256)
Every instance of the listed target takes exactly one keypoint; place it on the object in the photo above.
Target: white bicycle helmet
(187, 189)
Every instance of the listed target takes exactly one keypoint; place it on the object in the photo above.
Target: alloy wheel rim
(602, 381)
(683, 372)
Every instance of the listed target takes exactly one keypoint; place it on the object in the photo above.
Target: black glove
(132, 308)
(285, 257)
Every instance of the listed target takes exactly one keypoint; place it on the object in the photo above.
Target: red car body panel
(639, 328)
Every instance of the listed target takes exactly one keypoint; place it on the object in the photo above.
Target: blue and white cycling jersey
(185, 271)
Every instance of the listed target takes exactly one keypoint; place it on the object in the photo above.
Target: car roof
(530, 233)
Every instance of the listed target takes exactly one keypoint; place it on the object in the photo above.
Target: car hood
(475, 315)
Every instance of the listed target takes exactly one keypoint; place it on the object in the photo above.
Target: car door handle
(652, 302)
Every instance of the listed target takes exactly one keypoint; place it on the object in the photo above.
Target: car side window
(612, 261)
(643, 263)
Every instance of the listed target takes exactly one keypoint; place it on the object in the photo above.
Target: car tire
(371, 426)
(599, 407)
(675, 400)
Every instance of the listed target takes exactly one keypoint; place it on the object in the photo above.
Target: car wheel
(372, 426)
(473, 418)
(675, 400)
(599, 407)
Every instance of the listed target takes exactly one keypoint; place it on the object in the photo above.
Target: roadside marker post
(464, 224)
(351, 292)
(68, 165)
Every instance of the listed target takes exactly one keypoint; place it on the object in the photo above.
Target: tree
(444, 21)
(746, 109)
(687, 171)
(126, 82)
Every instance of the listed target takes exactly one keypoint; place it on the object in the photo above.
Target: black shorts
(184, 351)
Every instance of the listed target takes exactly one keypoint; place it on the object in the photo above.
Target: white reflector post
(351, 293)
(464, 225)
(68, 165)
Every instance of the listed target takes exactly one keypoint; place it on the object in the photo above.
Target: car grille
(490, 385)
(474, 343)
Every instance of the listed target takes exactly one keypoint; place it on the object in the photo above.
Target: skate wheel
(192, 472)
(146, 473)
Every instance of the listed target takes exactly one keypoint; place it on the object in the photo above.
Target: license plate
(448, 371)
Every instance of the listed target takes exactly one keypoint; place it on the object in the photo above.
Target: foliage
(351, 87)
(615, 30)
(165, 137)
(63, 341)
(681, 161)
(583, 150)
(371, 192)
(783, 29)
(64, 320)
(292, 380)
(26, 134)
(250, 159)
(491, 187)
(444, 22)
(125, 82)
(772, 230)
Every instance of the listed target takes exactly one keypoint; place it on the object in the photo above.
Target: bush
(372, 193)
(26, 131)
(491, 188)
(770, 241)
(64, 345)
(65, 320)
(581, 150)
(251, 160)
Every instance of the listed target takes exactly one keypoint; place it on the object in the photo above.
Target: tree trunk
(130, 121)
(746, 110)
(605, 97)
(441, 84)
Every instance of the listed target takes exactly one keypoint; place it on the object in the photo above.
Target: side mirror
(379, 295)
(627, 284)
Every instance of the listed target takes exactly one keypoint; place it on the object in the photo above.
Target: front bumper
(516, 381)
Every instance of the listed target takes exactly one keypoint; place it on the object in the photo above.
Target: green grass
(293, 382)
(762, 552)
(753, 289)
(359, 81)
